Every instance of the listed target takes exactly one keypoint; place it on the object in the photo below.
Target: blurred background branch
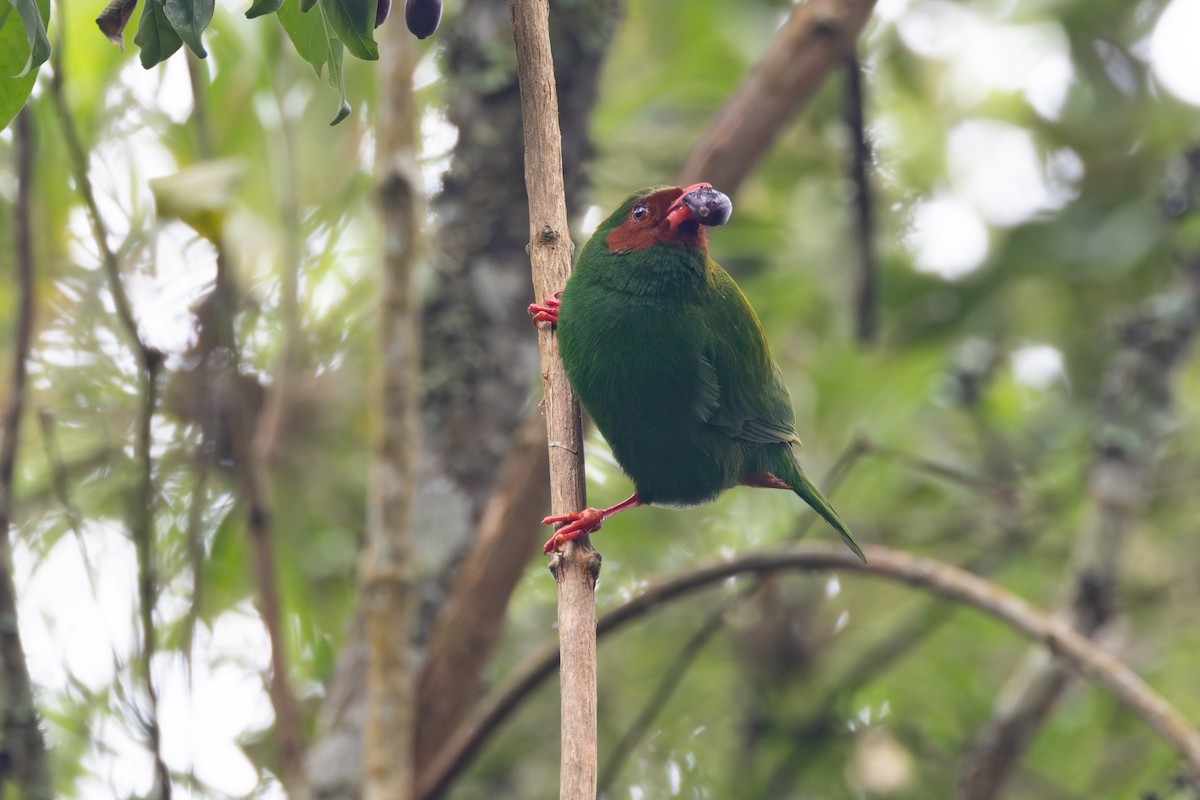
(866, 284)
(23, 744)
(387, 568)
(817, 37)
(945, 580)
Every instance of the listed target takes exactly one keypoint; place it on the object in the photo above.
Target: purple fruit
(381, 11)
(423, 16)
(708, 206)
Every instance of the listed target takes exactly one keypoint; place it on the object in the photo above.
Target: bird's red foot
(581, 523)
(546, 313)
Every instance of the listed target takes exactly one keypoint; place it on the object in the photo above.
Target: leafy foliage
(314, 39)
(33, 19)
(352, 21)
(23, 49)
(156, 34)
(189, 18)
(165, 25)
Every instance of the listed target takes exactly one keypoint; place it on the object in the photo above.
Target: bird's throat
(627, 238)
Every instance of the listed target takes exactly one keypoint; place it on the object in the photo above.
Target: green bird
(672, 364)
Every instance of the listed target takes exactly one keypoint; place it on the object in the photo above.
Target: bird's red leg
(546, 313)
(583, 522)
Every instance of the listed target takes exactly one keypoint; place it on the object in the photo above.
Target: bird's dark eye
(639, 212)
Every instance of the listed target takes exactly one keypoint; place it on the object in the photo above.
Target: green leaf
(354, 22)
(307, 5)
(155, 35)
(343, 104)
(35, 35)
(14, 42)
(189, 18)
(315, 41)
(261, 8)
(311, 37)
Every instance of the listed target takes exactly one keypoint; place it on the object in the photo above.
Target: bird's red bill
(677, 212)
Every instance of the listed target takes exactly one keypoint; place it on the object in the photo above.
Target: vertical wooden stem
(550, 255)
(387, 571)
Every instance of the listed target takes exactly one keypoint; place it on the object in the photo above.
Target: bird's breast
(636, 368)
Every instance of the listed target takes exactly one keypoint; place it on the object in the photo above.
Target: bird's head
(655, 242)
(665, 215)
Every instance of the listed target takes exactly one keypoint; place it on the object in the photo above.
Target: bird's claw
(547, 312)
(579, 523)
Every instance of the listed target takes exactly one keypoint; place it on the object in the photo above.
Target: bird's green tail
(808, 492)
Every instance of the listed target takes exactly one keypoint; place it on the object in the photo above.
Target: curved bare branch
(945, 580)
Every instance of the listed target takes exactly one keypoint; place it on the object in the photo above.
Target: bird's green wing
(776, 421)
(753, 404)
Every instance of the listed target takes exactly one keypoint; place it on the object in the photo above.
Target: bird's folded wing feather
(742, 390)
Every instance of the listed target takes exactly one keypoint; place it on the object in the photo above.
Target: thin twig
(141, 515)
(141, 529)
(550, 255)
(79, 171)
(148, 358)
(945, 580)
(22, 737)
(288, 727)
(195, 546)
